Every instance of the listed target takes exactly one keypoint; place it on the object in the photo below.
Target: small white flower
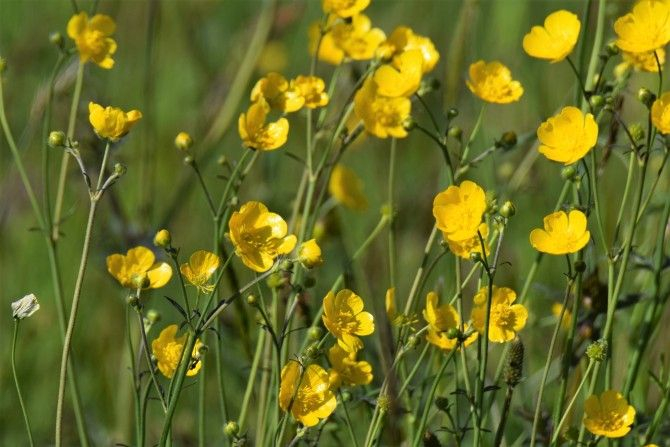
(25, 307)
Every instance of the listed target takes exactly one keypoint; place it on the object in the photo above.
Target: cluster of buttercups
(383, 105)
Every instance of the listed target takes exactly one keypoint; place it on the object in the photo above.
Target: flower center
(502, 315)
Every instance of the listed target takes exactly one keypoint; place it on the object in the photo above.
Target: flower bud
(507, 209)
(132, 300)
(183, 141)
(346, 396)
(119, 170)
(25, 307)
(384, 403)
(409, 123)
(309, 254)
(412, 341)
(222, 160)
(286, 265)
(231, 429)
(56, 139)
(442, 403)
(315, 333)
(275, 281)
(597, 350)
(188, 160)
(475, 257)
(153, 316)
(514, 367)
(596, 101)
(569, 173)
(252, 300)
(452, 113)
(580, 266)
(163, 239)
(455, 132)
(507, 141)
(453, 333)
(202, 350)
(646, 97)
(56, 39)
(428, 85)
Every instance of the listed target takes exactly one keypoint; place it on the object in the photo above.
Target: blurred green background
(176, 62)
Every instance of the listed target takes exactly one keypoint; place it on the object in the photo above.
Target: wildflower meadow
(334, 222)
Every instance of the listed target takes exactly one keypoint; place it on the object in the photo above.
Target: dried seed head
(597, 350)
(514, 368)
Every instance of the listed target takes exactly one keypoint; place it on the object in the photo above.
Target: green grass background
(175, 62)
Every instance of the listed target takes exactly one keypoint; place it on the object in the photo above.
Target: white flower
(25, 307)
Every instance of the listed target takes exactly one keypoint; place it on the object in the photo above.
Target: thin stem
(62, 177)
(150, 364)
(95, 198)
(137, 406)
(347, 419)
(205, 190)
(392, 223)
(18, 387)
(503, 420)
(557, 430)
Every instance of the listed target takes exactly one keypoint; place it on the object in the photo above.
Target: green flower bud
(315, 333)
(251, 300)
(183, 141)
(646, 97)
(636, 131)
(132, 300)
(455, 132)
(231, 429)
(56, 39)
(442, 403)
(475, 257)
(507, 209)
(580, 266)
(596, 101)
(569, 173)
(612, 48)
(507, 141)
(412, 341)
(409, 123)
(119, 170)
(57, 139)
(346, 396)
(153, 316)
(452, 113)
(140, 281)
(188, 160)
(453, 333)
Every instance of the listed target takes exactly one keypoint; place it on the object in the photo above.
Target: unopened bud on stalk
(597, 350)
(251, 300)
(222, 160)
(286, 265)
(409, 123)
(231, 429)
(568, 173)
(452, 113)
(475, 257)
(514, 367)
(384, 403)
(315, 333)
(646, 97)
(188, 160)
(183, 141)
(442, 403)
(453, 333)
(119, 169)
(56, 139)
(163, 239)
(346, 396)
(412, 341)
(275, 281)
(507, 141)
(507, 209)
(132, 300)
(56, 39)
(596, 101)
(580, 266)
(455, 132)
(428, 85)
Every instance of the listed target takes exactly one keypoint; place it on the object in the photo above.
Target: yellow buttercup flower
(389, 306)
(309, 254)
(256, 134)
(555, 40)
(506, 318)
(404, 39)
(138, 262)
(468, 246)
(563, 233)
(458, 210)
(111, 123)
(329, 51)
(402, 77)
(344, 317)
(259, 236)
(92, 38)
(278, 92)
(382, 116)
(568, 136)
(493, 82)
(312, 89)
(168, 349)
(357, 38)
(608, 415)
(347, 188)
(440, 320)
(660, 113)
(199, 269)
(646, 28)
(344, 8)
(346, 370)
(307, 393)
(642, 61)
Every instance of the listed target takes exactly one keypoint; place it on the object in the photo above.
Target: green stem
(83, 263)
(557, 430)
(150, 364)
(347, 419)
(392, 223)
(137, 406)
(62, 177)
(18, 387)
(547, 364)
